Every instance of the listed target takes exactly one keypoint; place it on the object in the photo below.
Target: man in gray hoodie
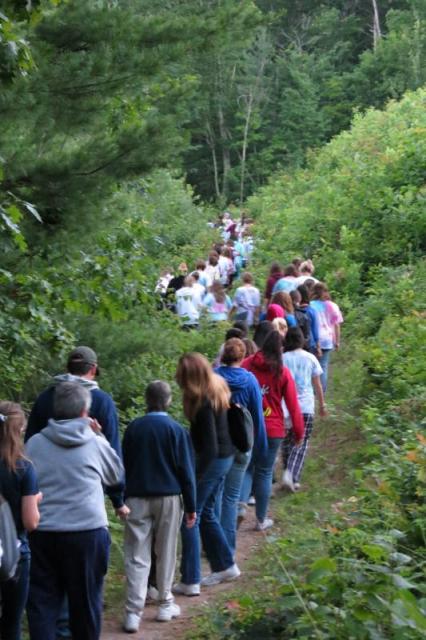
(70, 549)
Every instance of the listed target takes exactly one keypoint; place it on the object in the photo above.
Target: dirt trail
(248, 540)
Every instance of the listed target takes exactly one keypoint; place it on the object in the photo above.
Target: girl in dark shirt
(18, 484)
(206, 401)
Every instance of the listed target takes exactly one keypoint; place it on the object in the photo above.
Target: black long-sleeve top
(210, 436)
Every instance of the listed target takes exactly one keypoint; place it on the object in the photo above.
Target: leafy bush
(359, 203)
(358, 210)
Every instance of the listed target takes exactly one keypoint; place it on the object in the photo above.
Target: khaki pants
(161, 517)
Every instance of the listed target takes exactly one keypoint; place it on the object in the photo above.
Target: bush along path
(348, 559)
(327, 486)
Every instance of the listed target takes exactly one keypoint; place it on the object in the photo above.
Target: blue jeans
(219, 555)
(74, 563)
(259, 476)
(324, 359)
(231, 497)
(14, 595)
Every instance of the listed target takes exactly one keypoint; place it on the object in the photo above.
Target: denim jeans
(13, 600)
(324, 359)
(74, 563)
(219, 555)
(259, 475)
(231, 497)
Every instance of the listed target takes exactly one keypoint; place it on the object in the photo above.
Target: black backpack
(241, 427)
(9, 542)
(304, 322)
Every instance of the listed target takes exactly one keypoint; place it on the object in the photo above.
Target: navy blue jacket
(158, 459)
(102, 408)
(246, 391)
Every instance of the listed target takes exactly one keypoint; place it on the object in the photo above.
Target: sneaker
(287, 480)
(251, 501)
(267, 523)
(216, 577)
(168, 611)
(297, 486)
(131, 622)
(242, 512)
(152, 595)
(186, 589)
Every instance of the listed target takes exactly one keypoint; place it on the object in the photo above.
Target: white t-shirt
(199, 293)
(247, 299)
(211, 273)
(302, 279)
(186, 305)
(303, 367)
(226, 267)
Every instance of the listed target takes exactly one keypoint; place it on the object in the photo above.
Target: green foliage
(358, 204)
(105, 295)
(357, 208)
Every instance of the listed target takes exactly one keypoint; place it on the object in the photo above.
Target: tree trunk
(377, 34)
(211, 144)
(226, 156)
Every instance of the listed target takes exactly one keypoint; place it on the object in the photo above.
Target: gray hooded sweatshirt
(72, 463)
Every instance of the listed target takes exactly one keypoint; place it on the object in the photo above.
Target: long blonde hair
(12, 423)
(199, 383)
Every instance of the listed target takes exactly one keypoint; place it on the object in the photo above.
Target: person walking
(206, 399)
(18, 486)
(245, 391)
(217, 303)
(329, 320)
(277, 385)
(70, 549)
(187, 304)
(306, 372)
(159, 467)
(246, 303)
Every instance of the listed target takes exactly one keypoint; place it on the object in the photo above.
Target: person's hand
(323, 411)
(298, 443)
(337, 346)
(122, 512)
(95, 426)
(190, 520)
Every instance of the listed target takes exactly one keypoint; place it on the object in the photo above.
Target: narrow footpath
(326, 484)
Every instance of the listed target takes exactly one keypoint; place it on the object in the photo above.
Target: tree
(105, 100)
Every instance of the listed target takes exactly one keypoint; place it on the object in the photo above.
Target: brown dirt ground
(248, 540)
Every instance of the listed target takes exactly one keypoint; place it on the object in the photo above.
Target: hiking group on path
(256, 402)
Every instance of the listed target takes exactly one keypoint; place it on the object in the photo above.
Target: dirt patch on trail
(150, 629)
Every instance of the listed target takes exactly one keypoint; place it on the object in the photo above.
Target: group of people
(204, 291)
(164, 481)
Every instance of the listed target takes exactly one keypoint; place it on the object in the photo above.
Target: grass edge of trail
(302, 521)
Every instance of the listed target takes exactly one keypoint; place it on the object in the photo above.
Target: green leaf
(321, 568)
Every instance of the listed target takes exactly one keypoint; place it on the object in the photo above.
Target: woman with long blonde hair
(206, 398)
(18, 485)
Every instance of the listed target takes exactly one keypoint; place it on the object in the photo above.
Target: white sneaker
(186, 589)
(297, 486)
(168, 611)
(131, 622)
(216, 577)
(267, 523)
(251, 501)
(287, 480)
(152, 595)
